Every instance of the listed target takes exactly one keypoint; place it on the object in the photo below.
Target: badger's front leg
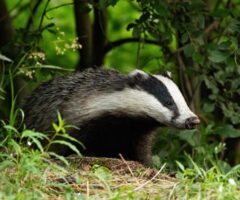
(143, 148)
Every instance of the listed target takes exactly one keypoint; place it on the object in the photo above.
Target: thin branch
(59, 6)
(212, 26)
(33, 12)
(43, 14)
(111, 45)
(125, 162)
(129, 168)
(148, 181)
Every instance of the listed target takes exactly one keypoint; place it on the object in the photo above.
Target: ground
(101, 178)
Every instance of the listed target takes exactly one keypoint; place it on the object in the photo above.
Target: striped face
(172, 107)
(145, 95)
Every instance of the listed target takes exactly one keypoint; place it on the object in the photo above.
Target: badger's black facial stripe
(155, 87)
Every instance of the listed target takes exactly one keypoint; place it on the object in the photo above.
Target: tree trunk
(99, 36)
(84, 33)
(92, 37)
(6, 32)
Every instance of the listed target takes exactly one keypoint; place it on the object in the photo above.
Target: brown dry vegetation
(117, 175)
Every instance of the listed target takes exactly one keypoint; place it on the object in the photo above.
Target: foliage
(25, 171)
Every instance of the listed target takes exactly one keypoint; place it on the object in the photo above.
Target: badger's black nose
(192, 122)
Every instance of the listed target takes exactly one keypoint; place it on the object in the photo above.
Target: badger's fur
(116, 113)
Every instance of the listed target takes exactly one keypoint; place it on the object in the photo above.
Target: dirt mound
(104, 178)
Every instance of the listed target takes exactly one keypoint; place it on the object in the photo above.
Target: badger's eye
(168, 103)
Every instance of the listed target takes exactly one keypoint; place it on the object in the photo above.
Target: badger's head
(137, 95)
(165, 103)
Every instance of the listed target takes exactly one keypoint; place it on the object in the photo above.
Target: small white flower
(220, 189)
(231, 181)
(29, 143)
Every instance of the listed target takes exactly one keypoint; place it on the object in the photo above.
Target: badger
(116, 113)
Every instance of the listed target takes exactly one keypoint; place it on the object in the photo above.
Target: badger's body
(116, 113)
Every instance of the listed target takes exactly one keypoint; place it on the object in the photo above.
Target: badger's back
(42, 105)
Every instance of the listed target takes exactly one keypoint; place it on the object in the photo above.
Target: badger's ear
(137, 76)
(167, 74)
(138, 73)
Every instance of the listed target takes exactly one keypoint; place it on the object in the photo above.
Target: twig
(212, 26)
(87, 189)
(125, 162)
(148, 181)
(43, 14)
(172, 191)
(129, 168)
(33, 12)
(108, 47)
(59, 6)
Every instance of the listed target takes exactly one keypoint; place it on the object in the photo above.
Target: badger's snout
(192, 122)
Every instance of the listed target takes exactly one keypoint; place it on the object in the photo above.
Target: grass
(34, 175)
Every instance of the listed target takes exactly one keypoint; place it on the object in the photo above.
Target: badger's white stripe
(184, 111)
(129, 101)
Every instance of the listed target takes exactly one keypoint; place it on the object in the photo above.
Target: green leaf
(198, 58)
(208, 107)
(188, 136)
(180, 165)
(56, 127)
(201, 21)
(6, 163)
(184, 37)
(188, 50)
(11, 128)
(68, 144)
(162, 8)
(102, 173)
(225, 45)
(72, 139)
(210, 83)
(221, 13)
(227, 131)
(33, 134)
(130, 26)
(59, 157)
(218, 56)
(15, 146)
